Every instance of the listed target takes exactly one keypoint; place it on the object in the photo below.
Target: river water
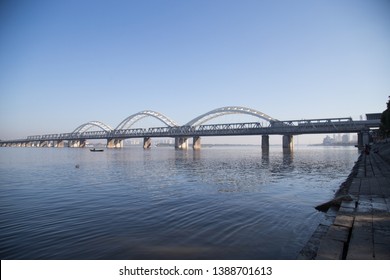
(216, 203)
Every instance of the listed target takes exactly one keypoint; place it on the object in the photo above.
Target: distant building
(373, 116)
(339, 140)
(328, 140)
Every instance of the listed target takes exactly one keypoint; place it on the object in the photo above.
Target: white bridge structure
(196, 128)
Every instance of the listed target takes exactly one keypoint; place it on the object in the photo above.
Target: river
(216, 203)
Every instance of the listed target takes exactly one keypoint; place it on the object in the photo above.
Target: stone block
(382, 251)
(344, 220)
(339, 233)
(381, 222)
(348, 204)
(330, 249)
(361, 245)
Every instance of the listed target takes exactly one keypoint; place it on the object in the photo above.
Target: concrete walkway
(360, 227)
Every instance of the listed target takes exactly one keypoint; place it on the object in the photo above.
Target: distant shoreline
(335, 144)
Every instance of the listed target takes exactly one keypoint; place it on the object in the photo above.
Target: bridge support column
(43, 144)
(77, 143)
(288, 142)
(265, 142)
(363, 139)
(82, 143)
(181, 143)
(147, 143)
(74, 143)
(114, 143)
(59, 144)
(196, 143)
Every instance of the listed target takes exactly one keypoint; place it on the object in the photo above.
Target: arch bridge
(197, 128)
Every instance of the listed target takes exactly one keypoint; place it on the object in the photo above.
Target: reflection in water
(288, 154)
(214, 203)
(265, 157)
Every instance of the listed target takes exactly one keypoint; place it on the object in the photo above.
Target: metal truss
(226, 111)
(129, 121)
(182, 131)
(318, 126)
(86, 126)
(330, 125)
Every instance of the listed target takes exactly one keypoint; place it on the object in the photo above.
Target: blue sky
(64, 63)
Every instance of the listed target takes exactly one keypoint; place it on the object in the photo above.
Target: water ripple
(163, 204)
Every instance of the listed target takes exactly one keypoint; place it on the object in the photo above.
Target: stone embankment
(357, 223)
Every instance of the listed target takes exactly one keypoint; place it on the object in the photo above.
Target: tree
(385, 120)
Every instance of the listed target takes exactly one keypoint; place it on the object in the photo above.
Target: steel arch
(129, 121)
(84, 127)
(228, 110)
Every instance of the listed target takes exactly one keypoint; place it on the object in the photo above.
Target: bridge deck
(296, 127)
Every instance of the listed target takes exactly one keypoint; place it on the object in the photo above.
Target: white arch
(129, 121)
(84, 127)
(228, 110)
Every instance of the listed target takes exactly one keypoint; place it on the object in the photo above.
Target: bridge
(196, 128)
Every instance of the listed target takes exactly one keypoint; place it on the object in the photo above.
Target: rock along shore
(357, 221)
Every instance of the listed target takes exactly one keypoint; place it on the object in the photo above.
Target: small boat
(96, 150)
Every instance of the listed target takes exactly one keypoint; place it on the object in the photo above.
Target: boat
(96, 150)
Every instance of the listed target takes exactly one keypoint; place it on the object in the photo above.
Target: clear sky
(64, 63)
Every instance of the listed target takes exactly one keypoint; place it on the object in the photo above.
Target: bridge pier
(77, 144)
(265, 142)
(196, 145)
(82, 143)
(147, 143)
(181, 143)
(43, 144)
(363, 139)
(114, 143)
(58, 144)
(288, 142)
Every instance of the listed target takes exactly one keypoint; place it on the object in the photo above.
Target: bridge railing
(184, 130)
(120, 133)
(94, 134)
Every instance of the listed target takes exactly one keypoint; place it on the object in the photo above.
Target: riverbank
(357, 221)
